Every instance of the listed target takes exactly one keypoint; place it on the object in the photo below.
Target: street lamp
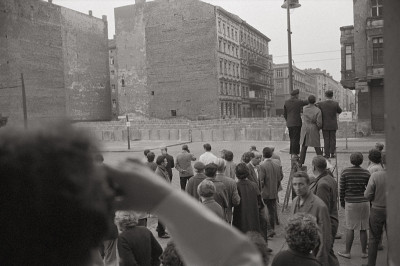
(288, 4)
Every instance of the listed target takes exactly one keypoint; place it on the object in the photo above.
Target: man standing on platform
(292, 110)
(330, 109)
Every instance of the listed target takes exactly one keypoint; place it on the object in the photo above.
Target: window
(223, 27)
(236, 35)
(112, 72)
(173, 112)
(228, 31)
(349, 57)
(225, 67)
(220, 45)
(220, 67)
(219, 26)
(221, 87)
(229, 49)
(232, 33)
(114, 104)
(123, 82)
(377, 50)
(111, 60)
(377, 8)
(279, 72)
(224, 47)
(152, 93)
(113, 88)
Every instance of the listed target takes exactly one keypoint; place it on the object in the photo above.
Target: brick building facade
(63, 56)
(362, 63)
(190, 59)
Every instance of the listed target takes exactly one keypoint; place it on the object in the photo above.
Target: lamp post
(288, 4)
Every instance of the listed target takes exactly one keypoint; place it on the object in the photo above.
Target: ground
(117, 152)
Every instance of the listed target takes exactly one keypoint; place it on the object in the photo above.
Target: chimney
(90, 13)
(104, 18)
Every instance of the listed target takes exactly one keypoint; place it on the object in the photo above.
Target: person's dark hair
(164, 149)
(52, 195)
(302, 233)
(247, 156)
(258, 240)
(207, 147)
(146, 151)
(210, 170)
(379, 146)
(228, 156)
(319, 162)
(356, 158)
(241, 171)
(160, 159)
(170, 256)
(329, 93)
(267, 152)
(150, 157)
(185, 148)
(312, 99)
(375, 156)
(302, 174)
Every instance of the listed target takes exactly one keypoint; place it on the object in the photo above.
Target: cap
(199, 166)
(329, 94)
(185, 147)
(295, 92)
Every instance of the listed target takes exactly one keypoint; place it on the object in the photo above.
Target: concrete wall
(35, 39)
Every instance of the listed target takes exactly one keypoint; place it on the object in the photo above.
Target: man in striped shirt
(353, 182)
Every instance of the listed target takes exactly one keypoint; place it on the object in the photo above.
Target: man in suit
(291, 112)
(270, 176)
(254, 168)
(309, 203)
(170, 160)
(330, 109)
(184, 165)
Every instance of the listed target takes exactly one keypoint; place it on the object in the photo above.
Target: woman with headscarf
(246, 214)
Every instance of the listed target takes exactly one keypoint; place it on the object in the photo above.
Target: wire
(331, 51)
(319, 60)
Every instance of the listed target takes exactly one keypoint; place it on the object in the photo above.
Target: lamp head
(292, 4)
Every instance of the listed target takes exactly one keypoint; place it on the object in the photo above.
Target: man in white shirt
(207, 157)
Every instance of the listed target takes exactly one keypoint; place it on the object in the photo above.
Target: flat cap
(295, 92)
(199, 166)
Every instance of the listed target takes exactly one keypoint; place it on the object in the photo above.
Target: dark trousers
(377, 220)
(160, 228)
(294, 135)
(184, 181)
(263, 223)
(272, 212)
(332, 259)
(329, 141)
(304, 151)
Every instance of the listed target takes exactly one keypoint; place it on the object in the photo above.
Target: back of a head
(241, 171)
(267, 152)
(312, 99)
(146, 151)
(319, 162)
(126, 219)
(356, 158)
(160, 159)
(185, 147)
(329, 94)
(210, 170)
(170, 256)
(375, 156)
(207, 147)
(206, 189)
(220, 164)
(247, 156)
(52, 195)
(302, 233)
(379, 146)
(228, 156)
(150, 157)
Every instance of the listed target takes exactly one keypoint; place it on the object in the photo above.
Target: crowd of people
(60, 202)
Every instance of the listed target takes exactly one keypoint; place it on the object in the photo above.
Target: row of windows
(228, 48)
(227, 30)
(229, 68)
(228, 88)
(377, 53)
(230, 109)
(254, 42)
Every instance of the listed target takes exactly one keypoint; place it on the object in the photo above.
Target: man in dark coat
(325, 187)
(245, 215)
(291, 112)
(193, 183)
(330, 109)
(170, 161)
(270, 176)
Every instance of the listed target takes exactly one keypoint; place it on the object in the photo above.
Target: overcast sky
(315, 26)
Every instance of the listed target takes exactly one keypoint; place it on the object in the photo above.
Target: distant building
(362, 64)
(112, 50)
(303, 81)
(63, 57)
(190, 59)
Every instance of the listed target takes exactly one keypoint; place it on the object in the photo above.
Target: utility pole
(24, 102)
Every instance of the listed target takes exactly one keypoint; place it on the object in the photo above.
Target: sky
(315, 26)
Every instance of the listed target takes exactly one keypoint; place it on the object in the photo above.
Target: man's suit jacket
(292, 110)
(315, 206)
(329, 109)
(184, 162)
(270, 176)
(253, 175)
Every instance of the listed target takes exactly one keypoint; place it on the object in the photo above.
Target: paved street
(117, 152)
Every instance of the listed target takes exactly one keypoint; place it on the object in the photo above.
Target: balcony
(258, 63)
(257, 81)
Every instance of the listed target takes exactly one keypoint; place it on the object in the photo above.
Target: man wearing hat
(292, 111)
(193, 183)
(330, 109)
(183, 164)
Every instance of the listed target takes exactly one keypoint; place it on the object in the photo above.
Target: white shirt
(207, 158)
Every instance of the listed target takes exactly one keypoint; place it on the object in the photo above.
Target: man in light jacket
(183, 164)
